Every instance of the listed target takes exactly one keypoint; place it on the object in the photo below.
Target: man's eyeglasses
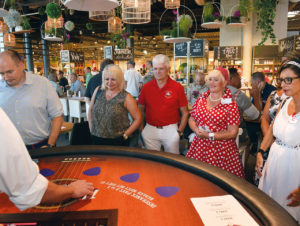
(287, 80)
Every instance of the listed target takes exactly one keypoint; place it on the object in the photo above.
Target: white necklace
(214, 99)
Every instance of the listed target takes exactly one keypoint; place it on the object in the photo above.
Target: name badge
(226, 101)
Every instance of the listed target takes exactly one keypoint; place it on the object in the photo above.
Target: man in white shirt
(20, 178)
(133, 79)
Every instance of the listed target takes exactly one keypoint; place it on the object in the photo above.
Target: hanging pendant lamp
(136, 11)
(3, 27)
(172, 4)
(9, 40)
(90, 5)
(114, 25)
(101, 15)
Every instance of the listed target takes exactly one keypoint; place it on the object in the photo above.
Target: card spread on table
(222, 211)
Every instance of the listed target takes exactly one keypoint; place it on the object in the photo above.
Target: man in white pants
(161, 100)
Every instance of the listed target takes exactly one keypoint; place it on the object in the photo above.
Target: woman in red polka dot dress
(215, 120)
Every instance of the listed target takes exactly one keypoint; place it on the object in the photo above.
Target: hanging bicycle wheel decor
(183, 28)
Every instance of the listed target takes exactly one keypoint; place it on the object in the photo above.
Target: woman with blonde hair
(215, 121)
(108, 113)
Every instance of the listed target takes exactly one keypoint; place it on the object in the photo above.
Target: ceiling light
(293, 14)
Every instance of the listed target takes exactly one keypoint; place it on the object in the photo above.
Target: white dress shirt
(19, 175)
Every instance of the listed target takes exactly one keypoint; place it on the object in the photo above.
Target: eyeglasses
(287, 80)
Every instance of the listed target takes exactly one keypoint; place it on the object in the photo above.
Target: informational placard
(222, 210)
(64, 56)
(76, 57)
(196, 48)
(286, 45)
(228, 52)
(181, 49)
(123, 54)
(108, 53)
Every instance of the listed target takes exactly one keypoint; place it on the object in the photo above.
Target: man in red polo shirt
(165, 105)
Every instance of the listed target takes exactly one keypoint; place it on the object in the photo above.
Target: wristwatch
(211, 136)
(125, 136)
(179, 132)
(50, 146)
(261, 151)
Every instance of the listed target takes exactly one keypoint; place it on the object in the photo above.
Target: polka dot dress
(221, 153)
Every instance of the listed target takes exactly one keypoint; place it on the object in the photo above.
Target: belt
(160, 127)
(281, 143)
(37, 145)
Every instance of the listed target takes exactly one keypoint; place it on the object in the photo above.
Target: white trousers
(167, 136)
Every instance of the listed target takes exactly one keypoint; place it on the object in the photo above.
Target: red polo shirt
(162, 105)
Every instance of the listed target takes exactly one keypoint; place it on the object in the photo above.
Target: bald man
(30, 101)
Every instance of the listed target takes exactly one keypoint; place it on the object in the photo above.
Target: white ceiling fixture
(3, 12)
(90, 5)
(293, 14)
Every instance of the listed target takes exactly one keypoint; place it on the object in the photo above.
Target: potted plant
(53, 10)
(245, 7)
(181, 27)
(25, 23)
(235, 20)
(120, 40)
(13, 20)
(266, 12)
(211, 20)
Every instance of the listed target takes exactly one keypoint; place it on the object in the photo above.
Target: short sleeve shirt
(162, 105)
(31, 107)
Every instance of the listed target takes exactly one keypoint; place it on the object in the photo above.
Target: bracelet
(261, 151)
(125, 136)
(50, 146)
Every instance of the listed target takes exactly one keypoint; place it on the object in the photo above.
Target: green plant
(41, 11)
(266, 12)
(245, 7)
(208, 9)
(25, 23)
(208, 18)
(185, 23)
(232, 19)
(89, 26)
(120, 40)
(53, 10)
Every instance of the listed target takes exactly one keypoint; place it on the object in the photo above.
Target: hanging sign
(286, 45)
(108, 54)
(67, 56)
(76, 57)
(196, 48)
(123, 54)
(228, 52)
(180, 49)
(64, 56)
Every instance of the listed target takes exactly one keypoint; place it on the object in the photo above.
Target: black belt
(37, 145)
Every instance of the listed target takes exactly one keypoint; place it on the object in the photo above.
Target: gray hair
(161, 59)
